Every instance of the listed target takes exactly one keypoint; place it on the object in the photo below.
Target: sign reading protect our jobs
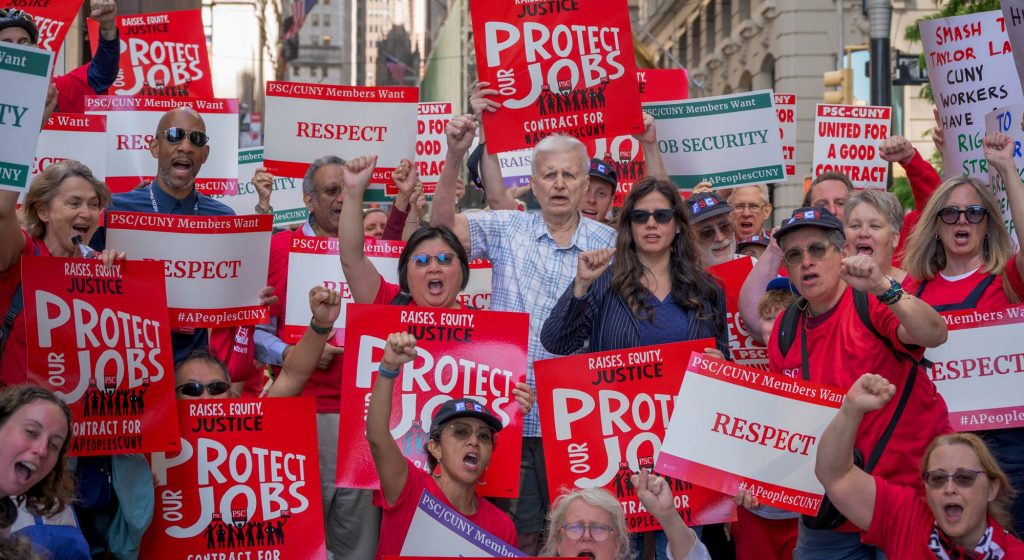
(53, 19)
(729, 141)
(25, 73)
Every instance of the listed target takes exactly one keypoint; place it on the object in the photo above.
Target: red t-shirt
(901, 526)
(841, 350)
(13, 366)
(923, 182)
(386, 292)
(397, 517)
(941, 291)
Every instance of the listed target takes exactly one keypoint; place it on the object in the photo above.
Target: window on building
(695, 48)
(327, 2)
(327, 20)
(710, 16)
(316, 40)
(295, 71)
(684, 53)
(316, 20)
(726, 17)
(323, 71)
(744, 9)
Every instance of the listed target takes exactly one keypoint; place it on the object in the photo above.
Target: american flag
(299, 10)
(396, 68)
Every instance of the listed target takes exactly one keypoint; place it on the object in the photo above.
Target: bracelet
(318, 329)
(893, 294)
(388, 373)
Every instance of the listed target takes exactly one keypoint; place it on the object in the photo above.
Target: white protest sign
(132, 124)
(971, 72)
(439, 530)
(215, 265)
(286, 199)
(785, 108)
(736, 428)
(1013, 19)
(431, 144)
(309, 121)
(846, 139)
(729, 141)
(1009, 121)
(25, 73)
(979, 371)
(73, 136)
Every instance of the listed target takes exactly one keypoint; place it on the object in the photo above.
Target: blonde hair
(999, 507)
(43, 189)
(597, 497)
(774, 302)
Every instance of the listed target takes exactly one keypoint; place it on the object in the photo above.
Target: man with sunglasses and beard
(833, 346)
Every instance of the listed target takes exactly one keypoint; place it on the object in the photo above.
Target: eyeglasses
(176, 135)
(330, 192)
(963, 478)
(422, 260)
(196, 389)
(795, 255)
(662, 216)
(974, 214)
(707, 233)
(753, 207)
(462, 432)
(598, 532)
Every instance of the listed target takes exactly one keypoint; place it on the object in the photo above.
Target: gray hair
(765, 197)
(307, 179)
(560, 143)
(598, 497)
(885, 202)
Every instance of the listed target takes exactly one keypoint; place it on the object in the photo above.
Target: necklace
(152, 200)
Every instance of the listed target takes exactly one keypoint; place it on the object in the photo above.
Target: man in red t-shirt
(840, 348)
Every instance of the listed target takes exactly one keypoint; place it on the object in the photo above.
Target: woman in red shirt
(963, 513)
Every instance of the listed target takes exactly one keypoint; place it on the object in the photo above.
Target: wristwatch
(893, 294)
(260, 210)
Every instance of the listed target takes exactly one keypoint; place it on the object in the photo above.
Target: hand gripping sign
(53, 18)
(98, 337)
(737, 428)
(245, 485)
(25, 72)
(132, 123)
(605, 417)
(558, 67)
(846, 140)
(438, 529)
(744, 349)
(308, 121)
(1010, 121)
(162, 54)
(215, 265)
(73, 136)
(979, 371)
(462, 353)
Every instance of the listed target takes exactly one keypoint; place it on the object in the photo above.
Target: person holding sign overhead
(964, 510)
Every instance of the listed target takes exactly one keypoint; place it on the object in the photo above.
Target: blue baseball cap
(762, 240)
(600, 169)
(702, 206)
(809, 217)
(464, 407)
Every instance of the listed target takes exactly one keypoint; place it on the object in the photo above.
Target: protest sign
(663, 84)
(743, 347)
(431, 144)
(1008, 120)
(846, 139)
(979, 371)
(25, 72)
(73, 136)
(246, 483)
(729, 141)
(566, 67)
(132, 123)
(309, 121)
(315, 261)
(785, 108)
(215, 265)
(737, 428)
(98, 337)
(606, 415)
(53, 19)
(286, 199)
(968, 60)
(440, 530)
(461, 353)
(1013, 20)
(162, 54)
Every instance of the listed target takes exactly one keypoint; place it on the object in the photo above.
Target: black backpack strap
(972, 299)
(860, 303)
(787, 329)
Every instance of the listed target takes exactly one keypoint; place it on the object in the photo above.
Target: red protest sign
(563, 67)
(745, 350)
(72, 136)
(162, 54)
(462, 353)
(785, 107)
(606, 415)
(846, 139)
(98, 337)
(246, 483)
(431, 145)
(53, 18)
(663, 84)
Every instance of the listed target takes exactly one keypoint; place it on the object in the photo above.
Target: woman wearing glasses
(960, 256)
(964, 510)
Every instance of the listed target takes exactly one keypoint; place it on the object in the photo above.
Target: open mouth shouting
(953, 513)
(864, 249)
(472, 461)
(182, 167)
(24, 471)
(435, 287)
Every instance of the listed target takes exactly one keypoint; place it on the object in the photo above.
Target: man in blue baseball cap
(600, 192)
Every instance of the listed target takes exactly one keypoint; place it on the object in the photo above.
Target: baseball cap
(809, 217)
(459, 408)
(11, 17)
(604, 171)
(761, 240)
(781, 283)
(702, 206)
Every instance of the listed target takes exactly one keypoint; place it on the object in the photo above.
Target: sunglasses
(662, 216)
(707, 233)
(963, 478)
(176, 135)
(974, 214)
(598, 532)
(422, 260)
(196, 389)
(462, 432)
(795, 255)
